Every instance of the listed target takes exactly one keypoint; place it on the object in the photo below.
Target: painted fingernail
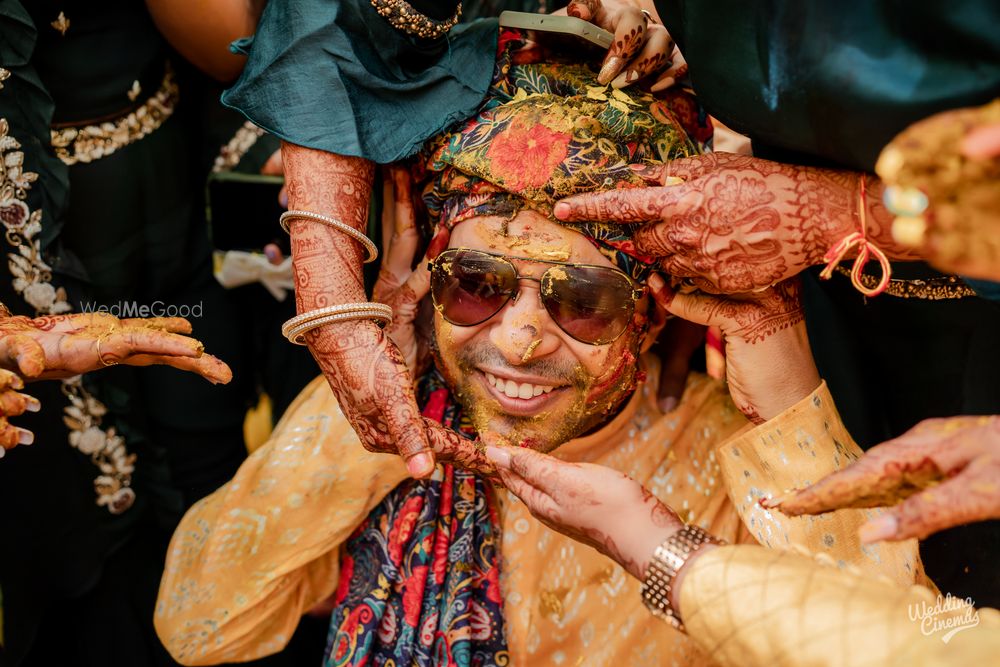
(610, 69)
(498, 457)
(668, 404)
(271, 252)
(882, 528)
(562, 210)
(420, 465)
(283, 198)
(33, 404)
(25, 437)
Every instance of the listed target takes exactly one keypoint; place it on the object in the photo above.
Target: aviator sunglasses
(592, 304)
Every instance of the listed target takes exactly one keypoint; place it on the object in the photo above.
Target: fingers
(675, 345)
(10, 380)
(122, 343)
(533, 467)
(12, 436)
(405, 237)
(536, 500)
(451, 447)
(407, 427)
(25, 352)
(273, 253)
(177, 325)
(970, 496)
(695, 307)
(584, 9)
(627, 205)
(884, 475)
(982, 143)
(13, 403)
(209, 367)
(629, 26)
(654, 56)
(274, 166)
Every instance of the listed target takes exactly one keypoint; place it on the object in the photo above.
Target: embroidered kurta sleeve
(794, 449)
(247, 561)
(749, 607)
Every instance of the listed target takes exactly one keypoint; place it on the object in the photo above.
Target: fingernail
(271, 252)
(283, 198)
(882, 528)
(610, 68)
(33, 405)
(668, 404)
(25, 437)
(17, 383)
(420, 465)
(498, 457)
(562, 210)
(662, 84)
(775, 501)
(626, 78)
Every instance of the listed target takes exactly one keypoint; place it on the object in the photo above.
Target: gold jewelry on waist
(86, 143)
(932, 289)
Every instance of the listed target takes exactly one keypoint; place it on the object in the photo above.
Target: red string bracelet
(866, 250)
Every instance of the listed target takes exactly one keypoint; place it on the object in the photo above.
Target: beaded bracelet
(287, 216)
(295, 328)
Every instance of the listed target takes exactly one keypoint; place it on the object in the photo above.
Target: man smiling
(539, 330)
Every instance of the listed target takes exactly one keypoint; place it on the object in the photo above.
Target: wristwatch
(668, 558)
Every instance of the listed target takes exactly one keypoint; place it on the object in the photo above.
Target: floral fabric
(419, 580)
(548, 131)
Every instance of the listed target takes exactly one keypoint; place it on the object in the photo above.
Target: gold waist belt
(86, 143)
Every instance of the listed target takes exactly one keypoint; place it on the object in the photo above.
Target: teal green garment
(828, 81)
(335, 76)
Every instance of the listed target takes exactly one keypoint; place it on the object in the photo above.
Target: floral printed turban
(546, 131)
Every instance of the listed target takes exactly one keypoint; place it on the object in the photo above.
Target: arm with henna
(738, 223)
(363, 366)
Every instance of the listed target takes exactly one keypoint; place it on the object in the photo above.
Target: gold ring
(100, 355)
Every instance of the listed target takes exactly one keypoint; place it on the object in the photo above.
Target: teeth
(523, 390)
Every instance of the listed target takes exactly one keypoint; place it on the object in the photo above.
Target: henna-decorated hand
(946, 472)
(642, 47)
(13, 404)
(399, 284)
(738, 223)
(597, 506)
(946, 171)
(769, 365)
(65, 345)
(363, 367)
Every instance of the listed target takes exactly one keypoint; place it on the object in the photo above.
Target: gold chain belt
(933, 289)
(86, 143)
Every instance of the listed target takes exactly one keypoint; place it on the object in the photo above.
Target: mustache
(483, 353)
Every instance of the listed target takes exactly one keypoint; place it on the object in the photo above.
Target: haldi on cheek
(518, 375)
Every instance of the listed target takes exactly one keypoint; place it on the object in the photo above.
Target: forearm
(202, 33)
(749, 606)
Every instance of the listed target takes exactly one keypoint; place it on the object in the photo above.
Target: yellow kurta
(249, 560)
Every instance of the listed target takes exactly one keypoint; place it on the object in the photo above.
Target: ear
(657, 320)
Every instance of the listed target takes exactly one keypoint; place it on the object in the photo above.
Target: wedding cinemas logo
(136, 309)
(948, 614)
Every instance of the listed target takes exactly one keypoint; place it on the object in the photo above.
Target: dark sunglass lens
(591, 304)
(470, 287)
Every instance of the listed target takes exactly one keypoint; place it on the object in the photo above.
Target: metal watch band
(663, 566)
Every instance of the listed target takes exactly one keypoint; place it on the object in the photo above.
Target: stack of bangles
(295, 328)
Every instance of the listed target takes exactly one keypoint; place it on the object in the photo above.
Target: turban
(549, 130)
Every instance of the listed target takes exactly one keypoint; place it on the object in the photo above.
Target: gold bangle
(295, 328)
(334, 223)
(402, 16)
